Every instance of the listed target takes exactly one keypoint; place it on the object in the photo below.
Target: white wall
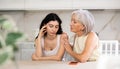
(107, 22)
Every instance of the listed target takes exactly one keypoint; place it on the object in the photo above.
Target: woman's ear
(83, 28)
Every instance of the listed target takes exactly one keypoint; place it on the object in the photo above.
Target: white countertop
(51, 65)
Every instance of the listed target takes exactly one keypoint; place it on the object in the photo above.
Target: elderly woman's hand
(67, 46)
(66, 43)
(63, 37)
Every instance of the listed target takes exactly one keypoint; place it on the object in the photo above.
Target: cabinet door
(48, 4)
(27, 50)
(12, 4)
(26, 54)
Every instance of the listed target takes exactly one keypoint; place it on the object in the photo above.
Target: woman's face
(52, 27)
(76, 25)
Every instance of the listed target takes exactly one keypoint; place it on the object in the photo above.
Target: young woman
(49, 42)
(85, 46)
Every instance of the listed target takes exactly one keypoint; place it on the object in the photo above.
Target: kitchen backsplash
(107, 22)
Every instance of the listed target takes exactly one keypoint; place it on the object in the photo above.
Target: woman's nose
(53, 29)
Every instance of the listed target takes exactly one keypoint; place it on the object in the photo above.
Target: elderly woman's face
(76, 25)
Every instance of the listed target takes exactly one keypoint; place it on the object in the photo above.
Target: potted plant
(9, 35)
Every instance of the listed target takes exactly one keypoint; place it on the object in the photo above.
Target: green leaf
(3, 57)
(15, 48)
(12, 38)
(2, 20)
(6, 54)
(7, 25)
(0, 45)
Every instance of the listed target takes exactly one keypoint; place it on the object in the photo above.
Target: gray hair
(86, 18)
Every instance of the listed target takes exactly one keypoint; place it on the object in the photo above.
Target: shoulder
(92, 35)
(64, 35)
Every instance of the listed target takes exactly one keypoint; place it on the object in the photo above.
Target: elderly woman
(85, 44)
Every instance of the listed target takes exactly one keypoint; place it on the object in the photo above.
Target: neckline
(52, 49)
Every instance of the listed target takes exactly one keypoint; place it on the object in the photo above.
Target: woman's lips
(53, 33)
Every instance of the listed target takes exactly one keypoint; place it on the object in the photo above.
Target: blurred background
(28, 15)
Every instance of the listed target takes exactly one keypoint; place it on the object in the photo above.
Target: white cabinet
(48, 4)
(12, 4)
(25, 51)
(58, 4)
(96, 4)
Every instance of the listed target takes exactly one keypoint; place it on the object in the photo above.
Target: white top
(51, 52)
(79, 45)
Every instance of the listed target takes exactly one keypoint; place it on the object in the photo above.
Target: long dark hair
(51, 17)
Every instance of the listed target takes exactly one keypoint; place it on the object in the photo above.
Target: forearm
(53, 58)
(38, 50)
(79, 57)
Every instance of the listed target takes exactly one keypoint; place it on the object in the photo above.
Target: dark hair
(51, 17)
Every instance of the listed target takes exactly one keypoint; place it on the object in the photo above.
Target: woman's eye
(74, 21)
(50, 26)
(56, 26)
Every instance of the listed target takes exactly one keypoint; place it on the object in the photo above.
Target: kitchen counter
(51, 65)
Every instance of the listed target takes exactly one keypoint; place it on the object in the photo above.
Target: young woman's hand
(42, 31)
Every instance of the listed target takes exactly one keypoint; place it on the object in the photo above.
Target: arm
(38, 48)
(90, 45)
